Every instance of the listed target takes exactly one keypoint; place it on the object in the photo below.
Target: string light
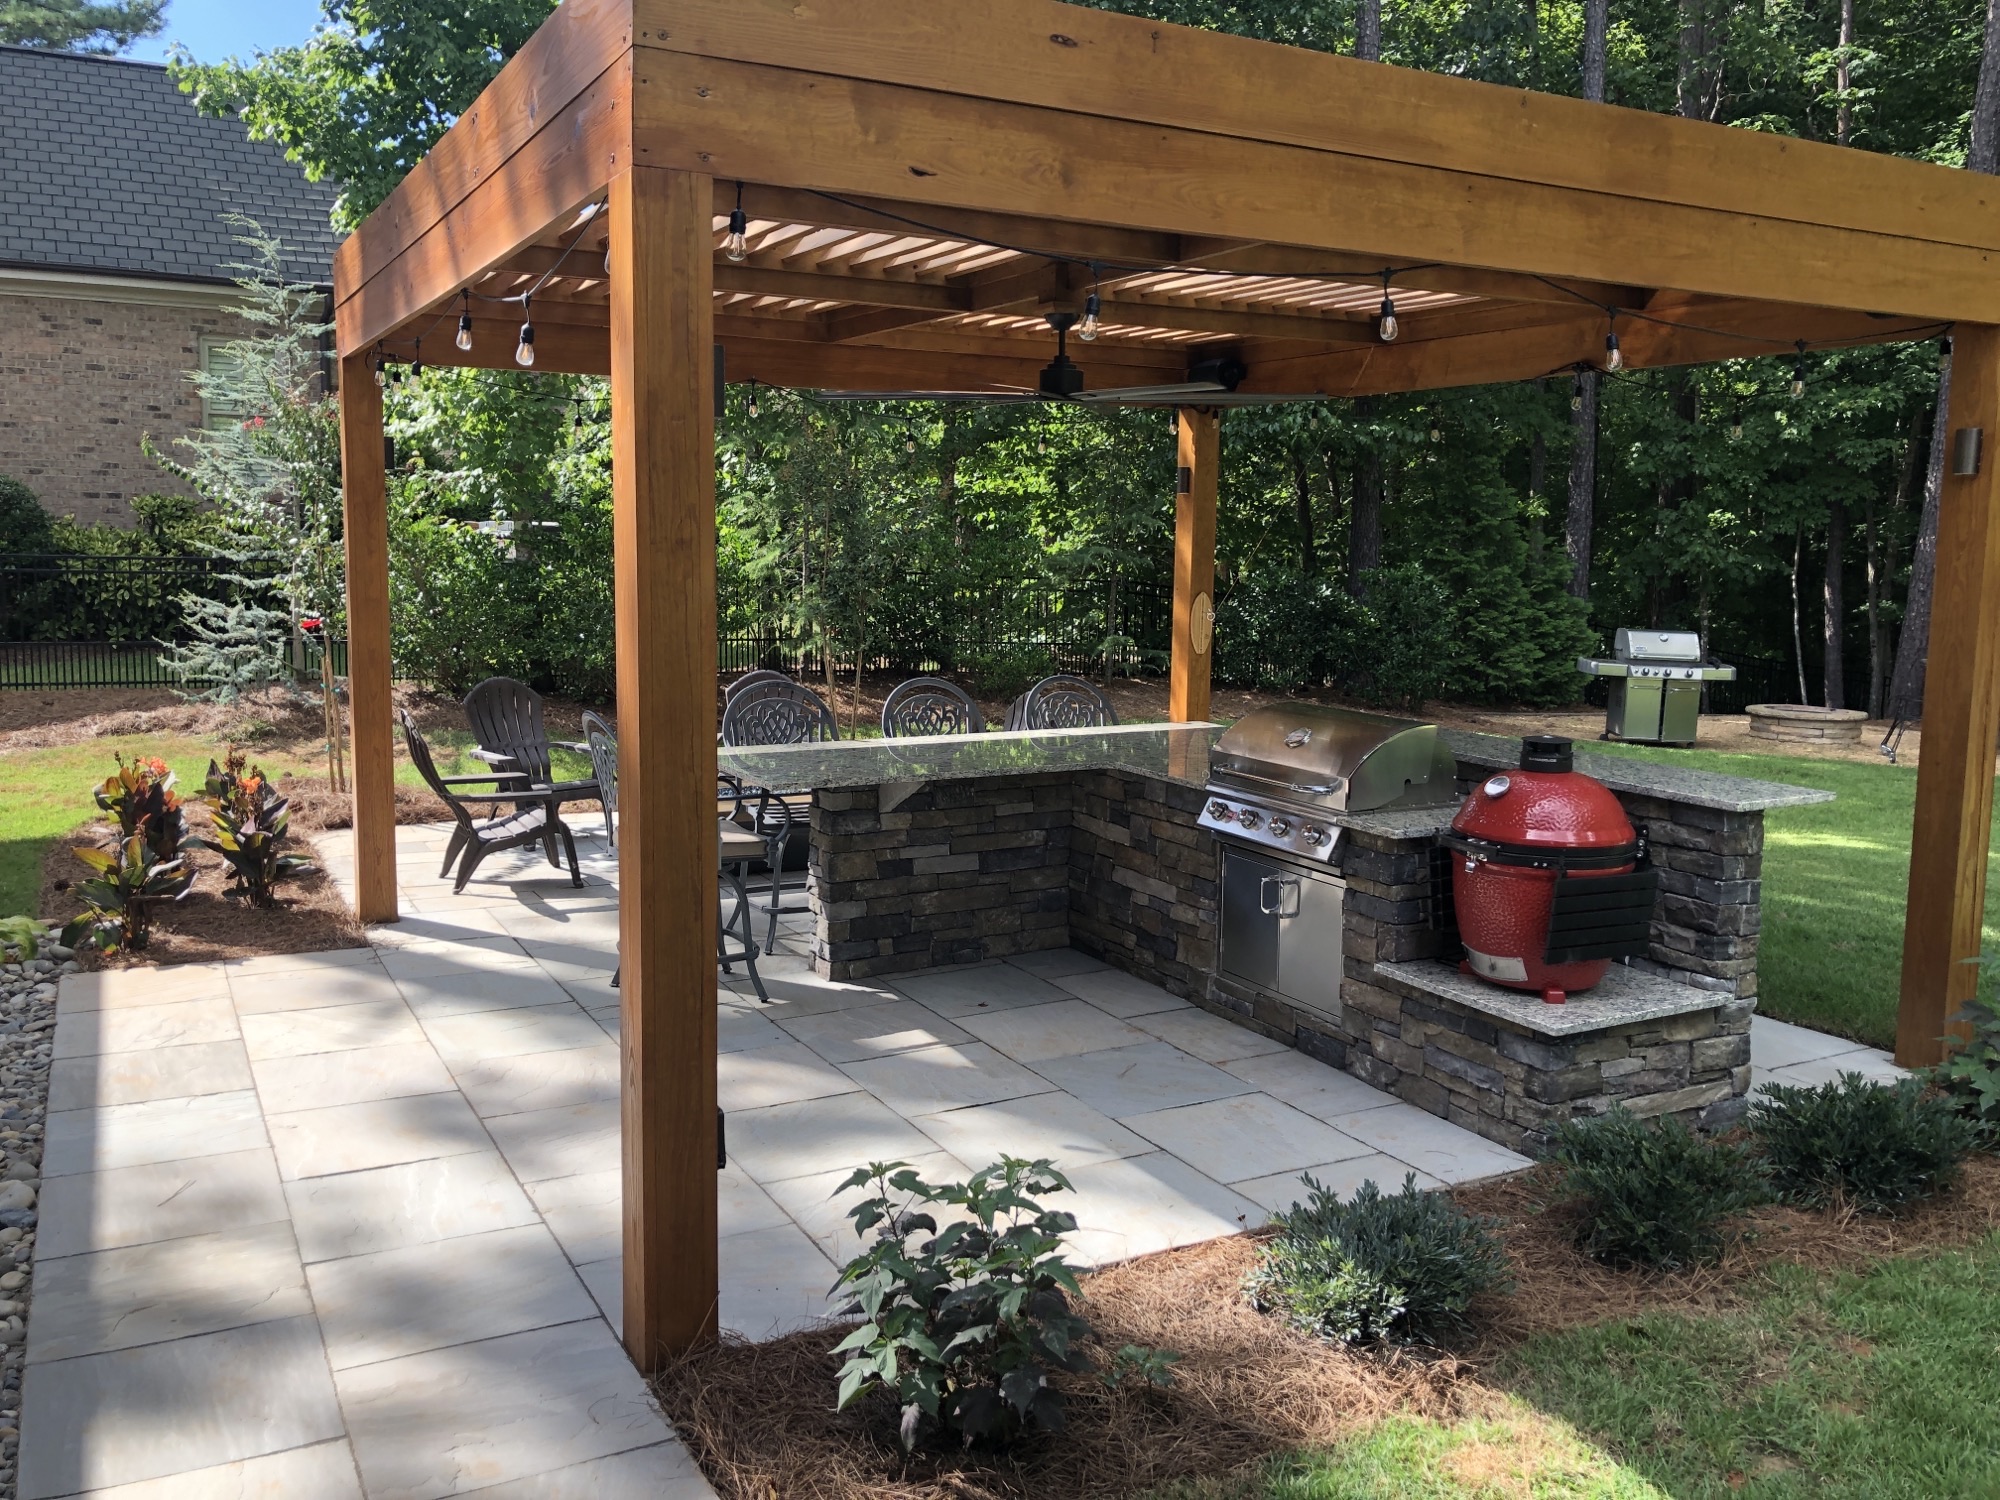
(381, 367)
(1087, 330)
(1386, 327)
(753, 398)
(1799, 372)
(524, 351)
(1614, 357)
(909, 445)
(464, 340)
(736, 244)
(1576, 392)
(1944, 352)
(1736, 425)
(417, 361)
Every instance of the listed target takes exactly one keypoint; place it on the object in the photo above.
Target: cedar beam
(1954, 813)
(1194, 564)
(663, 504)
(365, 527)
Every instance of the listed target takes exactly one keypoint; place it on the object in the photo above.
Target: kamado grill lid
(1311, 754)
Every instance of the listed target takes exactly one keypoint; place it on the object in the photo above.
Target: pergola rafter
(923, 183)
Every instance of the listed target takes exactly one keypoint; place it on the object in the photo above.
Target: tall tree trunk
(1906, 691)
(1869, 535)
(1364, 523)
(1798, 631)
(1583, 419)
(1833, 671)
(1538, 478)
(1302, 504)
(1368, 30)
(1698, 88)
(1582, 483)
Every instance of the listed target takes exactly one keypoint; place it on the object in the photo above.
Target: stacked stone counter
(967, 848)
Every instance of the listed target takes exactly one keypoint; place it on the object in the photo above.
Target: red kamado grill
(1548, 876)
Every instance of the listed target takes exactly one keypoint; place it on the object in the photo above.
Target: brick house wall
(83, 382)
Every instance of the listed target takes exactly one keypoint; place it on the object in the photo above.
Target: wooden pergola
(922, 181)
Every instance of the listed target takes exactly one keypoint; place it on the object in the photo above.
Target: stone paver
(347, 1225)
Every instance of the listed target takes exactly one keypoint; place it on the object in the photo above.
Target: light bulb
(735, 244)
(909, 445)
(753, 406)
(1944, 352)
(524, 351)
(1041, 445)
(1385, 323)
(1736, 429)
(1437, 435)
(464, 339)
(381, 371)
(1799, 371)
(1576, 393)
(417, 365)
(1087, 330)
(1614, 357)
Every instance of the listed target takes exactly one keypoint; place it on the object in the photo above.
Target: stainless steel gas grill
(1278, 778)
(1656, 678)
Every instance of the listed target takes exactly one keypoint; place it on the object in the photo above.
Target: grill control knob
(1313, 834)
(1281, 826)
(1220, 812)
(1249, 817)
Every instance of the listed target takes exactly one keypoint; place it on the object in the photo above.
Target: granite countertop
(1178, 753)
(1624, 996)
(1646, 778)
(1170, 752)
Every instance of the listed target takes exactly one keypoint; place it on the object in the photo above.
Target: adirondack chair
(506, 719)
(533, 821)
(930, 705)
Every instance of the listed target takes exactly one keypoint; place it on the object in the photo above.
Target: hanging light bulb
(1799, 372)
(909, 445)
(524, 351)
(736, 244)
(464, 339)
(1042, 446)
(753, 399)
(1088, 329)
(1736, 425)
(1614, 357)
(1386, 327)
(381, 369)
(1576, 392)
(1944, 352)
(417, 361)
(1437, 433)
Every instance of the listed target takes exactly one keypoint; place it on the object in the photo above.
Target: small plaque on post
(1965, 445)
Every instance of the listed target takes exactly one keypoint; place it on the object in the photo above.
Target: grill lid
(1657, 645)
(1312, 755)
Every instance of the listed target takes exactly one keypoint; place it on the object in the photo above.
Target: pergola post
(365, 528)
(1954, 815)
(1196, 488)
(663, 487)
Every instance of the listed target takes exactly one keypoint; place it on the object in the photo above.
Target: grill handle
(1309, 788)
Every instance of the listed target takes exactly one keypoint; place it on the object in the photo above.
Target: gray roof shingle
(109, 163)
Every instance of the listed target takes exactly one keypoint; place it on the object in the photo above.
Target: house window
(219, 364)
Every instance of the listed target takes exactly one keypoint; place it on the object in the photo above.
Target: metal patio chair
(533, 821)
(930, 705)
(602, 742)
(506, 719)
(1061, 702)
(776, 712)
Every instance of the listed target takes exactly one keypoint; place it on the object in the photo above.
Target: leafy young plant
(20, 938)
(1876, 1146)
(141, 797)
(1401, 1268)
(964, 1328)
(1971, 1073)
(247, 827)
(128, 877)
(1656, 1194)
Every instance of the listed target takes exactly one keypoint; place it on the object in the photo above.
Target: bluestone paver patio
(347, 1224)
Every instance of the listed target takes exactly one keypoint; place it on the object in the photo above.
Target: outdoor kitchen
(1294, 873)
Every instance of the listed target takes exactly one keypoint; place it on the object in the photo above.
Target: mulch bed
(759, 1418)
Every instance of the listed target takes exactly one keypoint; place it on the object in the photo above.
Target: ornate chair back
(777, 713)
(751, 679)
(603, 763)
(1061, 702)
(930, 705)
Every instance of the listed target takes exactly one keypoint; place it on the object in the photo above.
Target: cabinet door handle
(1288, 896)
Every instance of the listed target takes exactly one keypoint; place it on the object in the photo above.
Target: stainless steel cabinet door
(1309, 947)
(1249, 920)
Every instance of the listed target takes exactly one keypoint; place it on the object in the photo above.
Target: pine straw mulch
(759, 1418)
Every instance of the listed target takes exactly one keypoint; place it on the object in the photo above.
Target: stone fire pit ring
(1803, 721)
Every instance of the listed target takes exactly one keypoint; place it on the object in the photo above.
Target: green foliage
(102, 27)
(1971, 1074)
(141, 798)
(235, 647)
(125, 880)
(965, 1328)
(1655, 1194)
(21, 938)
(1401, 1268)
(1006, 671)
(365, 97)
(247, 827)
(24, 525)
(1875, 1147)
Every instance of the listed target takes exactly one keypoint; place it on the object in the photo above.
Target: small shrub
(1877, 1147)
(247, 827)
(24, 525)
(129, 877)
(1657, 1194)
(965, 1329)
(21, 939)
(1400, 1267)
(142, 799)
(1970, 1076)
(1005, 671)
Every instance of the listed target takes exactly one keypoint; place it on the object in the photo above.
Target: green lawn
(1835, 879)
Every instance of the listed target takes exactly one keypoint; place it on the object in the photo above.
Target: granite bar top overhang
(1178, 753)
